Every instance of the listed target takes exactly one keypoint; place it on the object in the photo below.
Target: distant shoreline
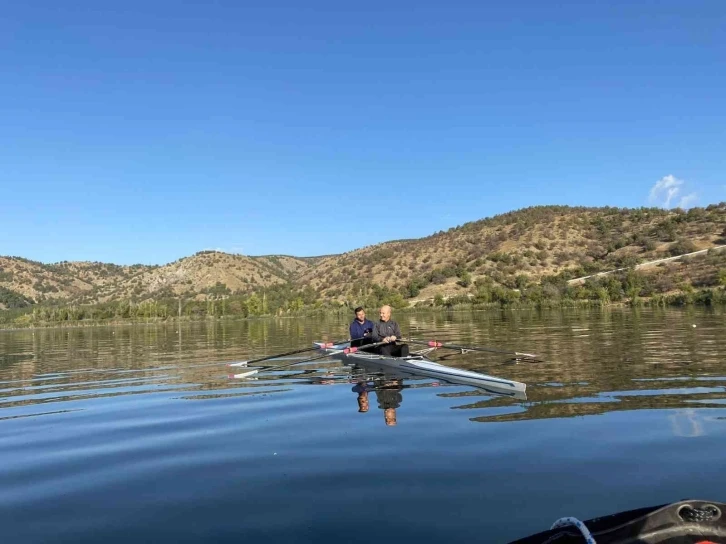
(675, 300)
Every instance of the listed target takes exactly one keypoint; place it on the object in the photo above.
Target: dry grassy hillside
(513, 250)
(66, 280)
(285, 266)
(200, 274)
(205, 273)
(520, 246)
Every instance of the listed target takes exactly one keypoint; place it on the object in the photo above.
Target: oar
(327, 345)
(286, 365)
(433, 344)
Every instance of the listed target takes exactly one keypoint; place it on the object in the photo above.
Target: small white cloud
(668, 190)
(664, 190)
(687, 201)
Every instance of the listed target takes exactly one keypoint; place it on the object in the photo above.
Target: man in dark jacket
(361, 329)
(388, 331)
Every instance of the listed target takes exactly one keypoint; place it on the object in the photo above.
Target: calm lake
(137, 434)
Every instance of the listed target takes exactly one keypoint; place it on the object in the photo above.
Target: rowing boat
(417, 364)
(686, 522)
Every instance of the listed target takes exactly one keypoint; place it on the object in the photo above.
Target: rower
(360, 329)
(388, 331)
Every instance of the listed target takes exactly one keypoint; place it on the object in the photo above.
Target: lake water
(137, 434)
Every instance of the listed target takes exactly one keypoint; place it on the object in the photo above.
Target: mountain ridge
(511, 250)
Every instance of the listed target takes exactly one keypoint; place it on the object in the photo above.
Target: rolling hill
(207, 272)
(512, 251)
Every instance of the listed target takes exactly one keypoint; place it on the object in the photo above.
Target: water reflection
(595, 362)
(388, 397)
(388, 394)
(385, 388)
(90, 417)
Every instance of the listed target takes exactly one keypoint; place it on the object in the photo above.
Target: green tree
(254, 305)
(123, 309)
(483, 293)
(603, 295)
(633, 284)
(464, 278)
(614, 288)
(521, 281)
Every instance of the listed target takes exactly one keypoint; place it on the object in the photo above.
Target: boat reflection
(388, 396)
(388, 387)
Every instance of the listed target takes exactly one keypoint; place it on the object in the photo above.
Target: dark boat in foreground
(691, 522)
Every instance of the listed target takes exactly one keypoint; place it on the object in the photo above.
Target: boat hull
(418, 365)
(681, 522)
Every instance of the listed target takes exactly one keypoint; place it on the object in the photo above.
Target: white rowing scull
(418, 364)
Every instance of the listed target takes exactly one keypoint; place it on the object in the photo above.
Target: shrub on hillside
(681, 247)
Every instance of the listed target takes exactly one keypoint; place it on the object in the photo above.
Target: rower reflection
(362, 389)
(388, 396)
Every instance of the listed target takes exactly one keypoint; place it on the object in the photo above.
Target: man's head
(389, 414)
(363, 402)
(360, 314)
(385, 313)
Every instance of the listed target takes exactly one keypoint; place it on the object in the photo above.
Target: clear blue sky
(144, 131)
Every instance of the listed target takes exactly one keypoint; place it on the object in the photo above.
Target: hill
(520, 248)
(206, 272)
(525, 256)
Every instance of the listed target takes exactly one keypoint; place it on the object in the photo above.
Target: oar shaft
(295, 352)
(433, 344)
(280, 367)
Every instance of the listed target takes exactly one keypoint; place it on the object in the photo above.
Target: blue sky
(146, 131)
